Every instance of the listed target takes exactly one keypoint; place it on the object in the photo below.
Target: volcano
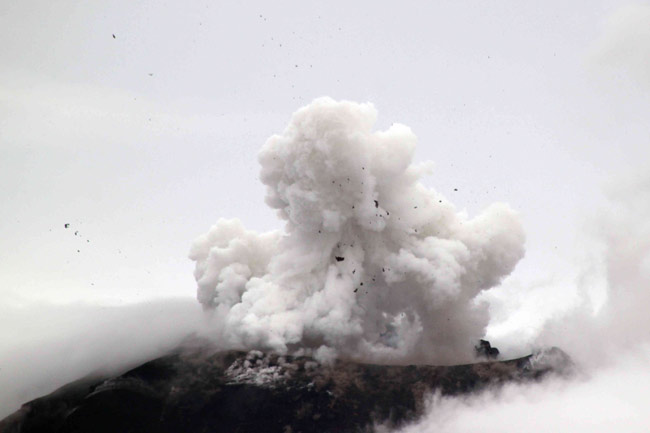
(198, 388)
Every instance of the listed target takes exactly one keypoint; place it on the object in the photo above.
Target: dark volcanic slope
(195, 390)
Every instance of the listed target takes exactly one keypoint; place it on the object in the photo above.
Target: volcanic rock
(199, 389)
(485, 350)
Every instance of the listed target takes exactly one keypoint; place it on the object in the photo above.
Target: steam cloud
(371, 263)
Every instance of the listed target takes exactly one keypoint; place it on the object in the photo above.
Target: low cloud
(45, 346)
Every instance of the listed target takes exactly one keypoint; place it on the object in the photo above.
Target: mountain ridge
(197, 388)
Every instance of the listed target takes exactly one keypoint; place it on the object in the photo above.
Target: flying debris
(113, 36)
(339, 259)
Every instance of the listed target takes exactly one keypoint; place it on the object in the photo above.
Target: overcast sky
(138, 123)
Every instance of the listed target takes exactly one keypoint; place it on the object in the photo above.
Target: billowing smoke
(371, 264)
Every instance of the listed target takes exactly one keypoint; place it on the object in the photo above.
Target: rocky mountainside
(196, 389)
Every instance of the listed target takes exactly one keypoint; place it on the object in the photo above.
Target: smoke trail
(371, 263)
(621, 239)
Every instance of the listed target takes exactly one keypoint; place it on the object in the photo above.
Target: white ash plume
(371, 264)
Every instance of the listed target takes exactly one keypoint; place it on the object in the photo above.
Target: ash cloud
(371, 263)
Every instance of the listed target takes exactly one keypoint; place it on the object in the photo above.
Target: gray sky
(143, 140)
